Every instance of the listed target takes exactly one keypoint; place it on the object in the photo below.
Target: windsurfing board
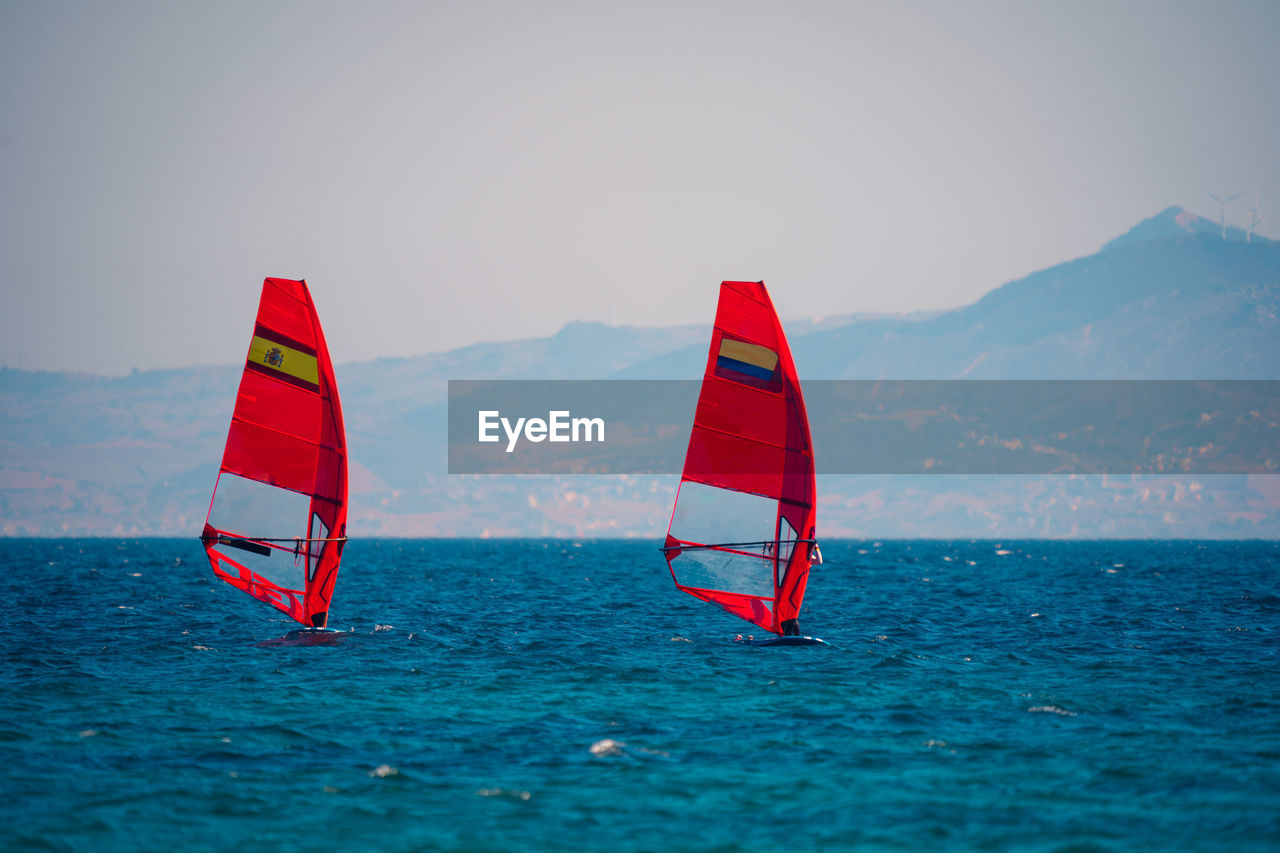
(787, 641)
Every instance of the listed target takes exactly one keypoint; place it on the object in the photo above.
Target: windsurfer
(791, 627)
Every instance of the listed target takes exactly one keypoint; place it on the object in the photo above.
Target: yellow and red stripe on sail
(276, 355)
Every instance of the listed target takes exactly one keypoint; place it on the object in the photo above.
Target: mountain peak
(1170, 223)
(1174, 222)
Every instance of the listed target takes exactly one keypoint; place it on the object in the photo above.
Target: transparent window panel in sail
(258, 511)
(724, 571)
(746, 523)
(319, 533)
(787, 537)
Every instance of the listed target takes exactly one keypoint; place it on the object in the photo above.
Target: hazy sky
(453, 172)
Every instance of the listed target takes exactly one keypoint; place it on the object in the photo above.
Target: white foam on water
(501, 792)
(607, 747)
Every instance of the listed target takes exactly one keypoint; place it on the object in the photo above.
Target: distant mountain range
(1170, 299)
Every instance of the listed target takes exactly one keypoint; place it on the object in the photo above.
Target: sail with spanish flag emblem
(742, 532)
(277, 521)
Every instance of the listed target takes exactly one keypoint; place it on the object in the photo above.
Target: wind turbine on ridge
(1222, 209)
(1254, 218)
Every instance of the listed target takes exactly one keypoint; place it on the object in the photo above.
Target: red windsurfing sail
(743, 527)
(278, 518)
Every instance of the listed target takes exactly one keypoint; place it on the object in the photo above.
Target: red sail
(278, 518)
(743, 527)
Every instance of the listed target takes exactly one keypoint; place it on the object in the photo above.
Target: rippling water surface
(550, 695)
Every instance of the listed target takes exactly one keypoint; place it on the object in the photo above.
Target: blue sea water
(554, 695)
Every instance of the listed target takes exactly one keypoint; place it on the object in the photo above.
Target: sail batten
(739, 436)
(301, 439)
(742, 531)
(284, 468)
